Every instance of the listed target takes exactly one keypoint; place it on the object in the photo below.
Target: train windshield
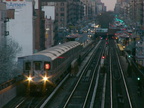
(27, 65)
(37, 65)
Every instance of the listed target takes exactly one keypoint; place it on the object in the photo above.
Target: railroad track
(26, 102)
(29, 102)
(94, 87)
(84, 92)
(83, 86)
(119, 94)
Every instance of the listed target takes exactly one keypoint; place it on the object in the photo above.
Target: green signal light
(129, 56)
(138, 78)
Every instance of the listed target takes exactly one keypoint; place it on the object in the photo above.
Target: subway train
(46, 68)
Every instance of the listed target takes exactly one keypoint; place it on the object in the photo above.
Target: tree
(8, 51)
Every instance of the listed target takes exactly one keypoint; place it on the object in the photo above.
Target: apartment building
(20, 25)
(60, 11)
(49, 34)
(90, 7)
(75, 12)
(61, 14)
(133, 13)
(67, 13)
(3, 20)
(38, 26)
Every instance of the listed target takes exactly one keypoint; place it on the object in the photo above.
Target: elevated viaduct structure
(106, 34)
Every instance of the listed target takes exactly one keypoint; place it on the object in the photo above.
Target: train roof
(53, 52)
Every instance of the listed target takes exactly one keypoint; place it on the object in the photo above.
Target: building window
(57, 14)
(62, 19)
(62, 25)
(62, 9)
(62, 4)
(56, 9)
(11, 13)
(62, 14)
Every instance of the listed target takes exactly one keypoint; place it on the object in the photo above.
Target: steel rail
(92, 81)
(129, 99)
(111, 85)
(70, 96)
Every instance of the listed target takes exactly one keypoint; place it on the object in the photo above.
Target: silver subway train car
(49, 66)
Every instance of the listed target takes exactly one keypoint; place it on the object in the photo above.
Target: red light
(103, 57)
(47, 66)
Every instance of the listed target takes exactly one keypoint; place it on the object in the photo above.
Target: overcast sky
(109, 3)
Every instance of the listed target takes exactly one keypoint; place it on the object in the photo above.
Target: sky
(110, 4)
(49, 11)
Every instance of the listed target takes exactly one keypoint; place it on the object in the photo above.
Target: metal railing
(11, 82)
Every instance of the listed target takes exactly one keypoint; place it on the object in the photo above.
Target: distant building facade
(49, 34)
(75, 12)
(100, 8)
(132, 11)
(61, 13)
(68, 13)
(3, 20)
(20, 25)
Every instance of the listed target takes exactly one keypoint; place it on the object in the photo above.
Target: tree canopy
(8, 51)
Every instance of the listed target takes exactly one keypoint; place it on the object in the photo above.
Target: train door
(37, 68)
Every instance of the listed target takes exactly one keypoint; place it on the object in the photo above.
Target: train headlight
(29, 78)
(45, 78)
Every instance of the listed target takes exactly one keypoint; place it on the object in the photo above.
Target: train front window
(27, 65)
(37, 65)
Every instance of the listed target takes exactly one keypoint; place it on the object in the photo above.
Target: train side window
(27, 65)
(37, 65)
(55, 63)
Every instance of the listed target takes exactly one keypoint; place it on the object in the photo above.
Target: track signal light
(103, 57)
(138, 78)
(47, 66)
(139, 81)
